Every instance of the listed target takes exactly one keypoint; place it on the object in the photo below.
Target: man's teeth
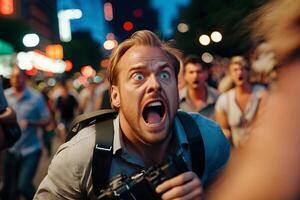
(157, 103)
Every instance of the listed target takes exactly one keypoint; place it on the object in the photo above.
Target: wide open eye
(164, 75)
(138, 76)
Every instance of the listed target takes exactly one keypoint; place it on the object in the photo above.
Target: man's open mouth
(154, 112)
(240, 78)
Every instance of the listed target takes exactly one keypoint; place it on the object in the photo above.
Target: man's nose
(239, 72)
(153, 83)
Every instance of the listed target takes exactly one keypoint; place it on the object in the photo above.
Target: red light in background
(138, 12)
(82, 80)
(128, 26)
(31, 72)
(48, 74)
(69, 65)
(6, 7)
(108, 11)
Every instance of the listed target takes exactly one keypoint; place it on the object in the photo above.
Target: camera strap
(102, 154)
(195, 140)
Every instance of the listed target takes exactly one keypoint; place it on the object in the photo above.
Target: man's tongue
(153, 117)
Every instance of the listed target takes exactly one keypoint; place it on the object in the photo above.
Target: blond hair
(143, 38)
(240, 60)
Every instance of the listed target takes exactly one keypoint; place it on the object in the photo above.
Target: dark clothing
(19, 172)
(67, 107)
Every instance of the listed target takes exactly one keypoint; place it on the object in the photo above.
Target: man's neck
(244, 89)
(197, 94)
(197, 97)
(19, 92)
(151, 154)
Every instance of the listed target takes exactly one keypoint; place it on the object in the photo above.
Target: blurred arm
(221, 118)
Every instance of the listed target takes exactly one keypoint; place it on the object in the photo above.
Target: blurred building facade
(38, 15)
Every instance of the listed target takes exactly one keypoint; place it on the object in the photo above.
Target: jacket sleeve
(69, 174)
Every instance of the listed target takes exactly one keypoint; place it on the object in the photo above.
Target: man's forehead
(148, 55)
(194, 65)
(145, 56)
(137, 58)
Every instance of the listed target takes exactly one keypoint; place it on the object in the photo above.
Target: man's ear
(115, 96)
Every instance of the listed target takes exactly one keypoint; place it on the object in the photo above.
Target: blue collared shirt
(217, 149)
(32, 107)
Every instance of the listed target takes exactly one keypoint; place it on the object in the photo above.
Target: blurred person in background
(267, 167)
(89, 97)
(197, 96)
(181, 80)
(9, 129)
(262, 62)
(21, 160)
(49, 130)
(66, 108)
(236, 109)
(217, 71)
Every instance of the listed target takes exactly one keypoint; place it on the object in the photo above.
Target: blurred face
(195, 76)
(238, 74)
(146, 94)
(17, 79)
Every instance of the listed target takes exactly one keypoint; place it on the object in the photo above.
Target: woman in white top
(235, 109)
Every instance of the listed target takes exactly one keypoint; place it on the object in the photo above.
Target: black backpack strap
(86, 119)
(103, 150)
(195, 140)
(102, 154)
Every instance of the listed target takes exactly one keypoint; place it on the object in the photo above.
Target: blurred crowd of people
(45, 113)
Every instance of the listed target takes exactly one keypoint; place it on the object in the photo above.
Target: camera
(141, 186)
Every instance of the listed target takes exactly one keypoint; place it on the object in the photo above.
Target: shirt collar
(211, 95)
(118, 141)
(26, 93)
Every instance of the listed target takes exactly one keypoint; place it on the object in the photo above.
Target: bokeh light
(182, 27)
(207, 57)
(128, 26)
(31, 40)
(216, 36)
(204, 40)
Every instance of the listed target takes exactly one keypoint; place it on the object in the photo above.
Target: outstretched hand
(186, 186)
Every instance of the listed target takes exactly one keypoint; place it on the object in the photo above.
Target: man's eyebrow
(140, 66)
(164, 65)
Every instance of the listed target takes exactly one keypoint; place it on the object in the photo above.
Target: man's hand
(184, 187)
(23, 124)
